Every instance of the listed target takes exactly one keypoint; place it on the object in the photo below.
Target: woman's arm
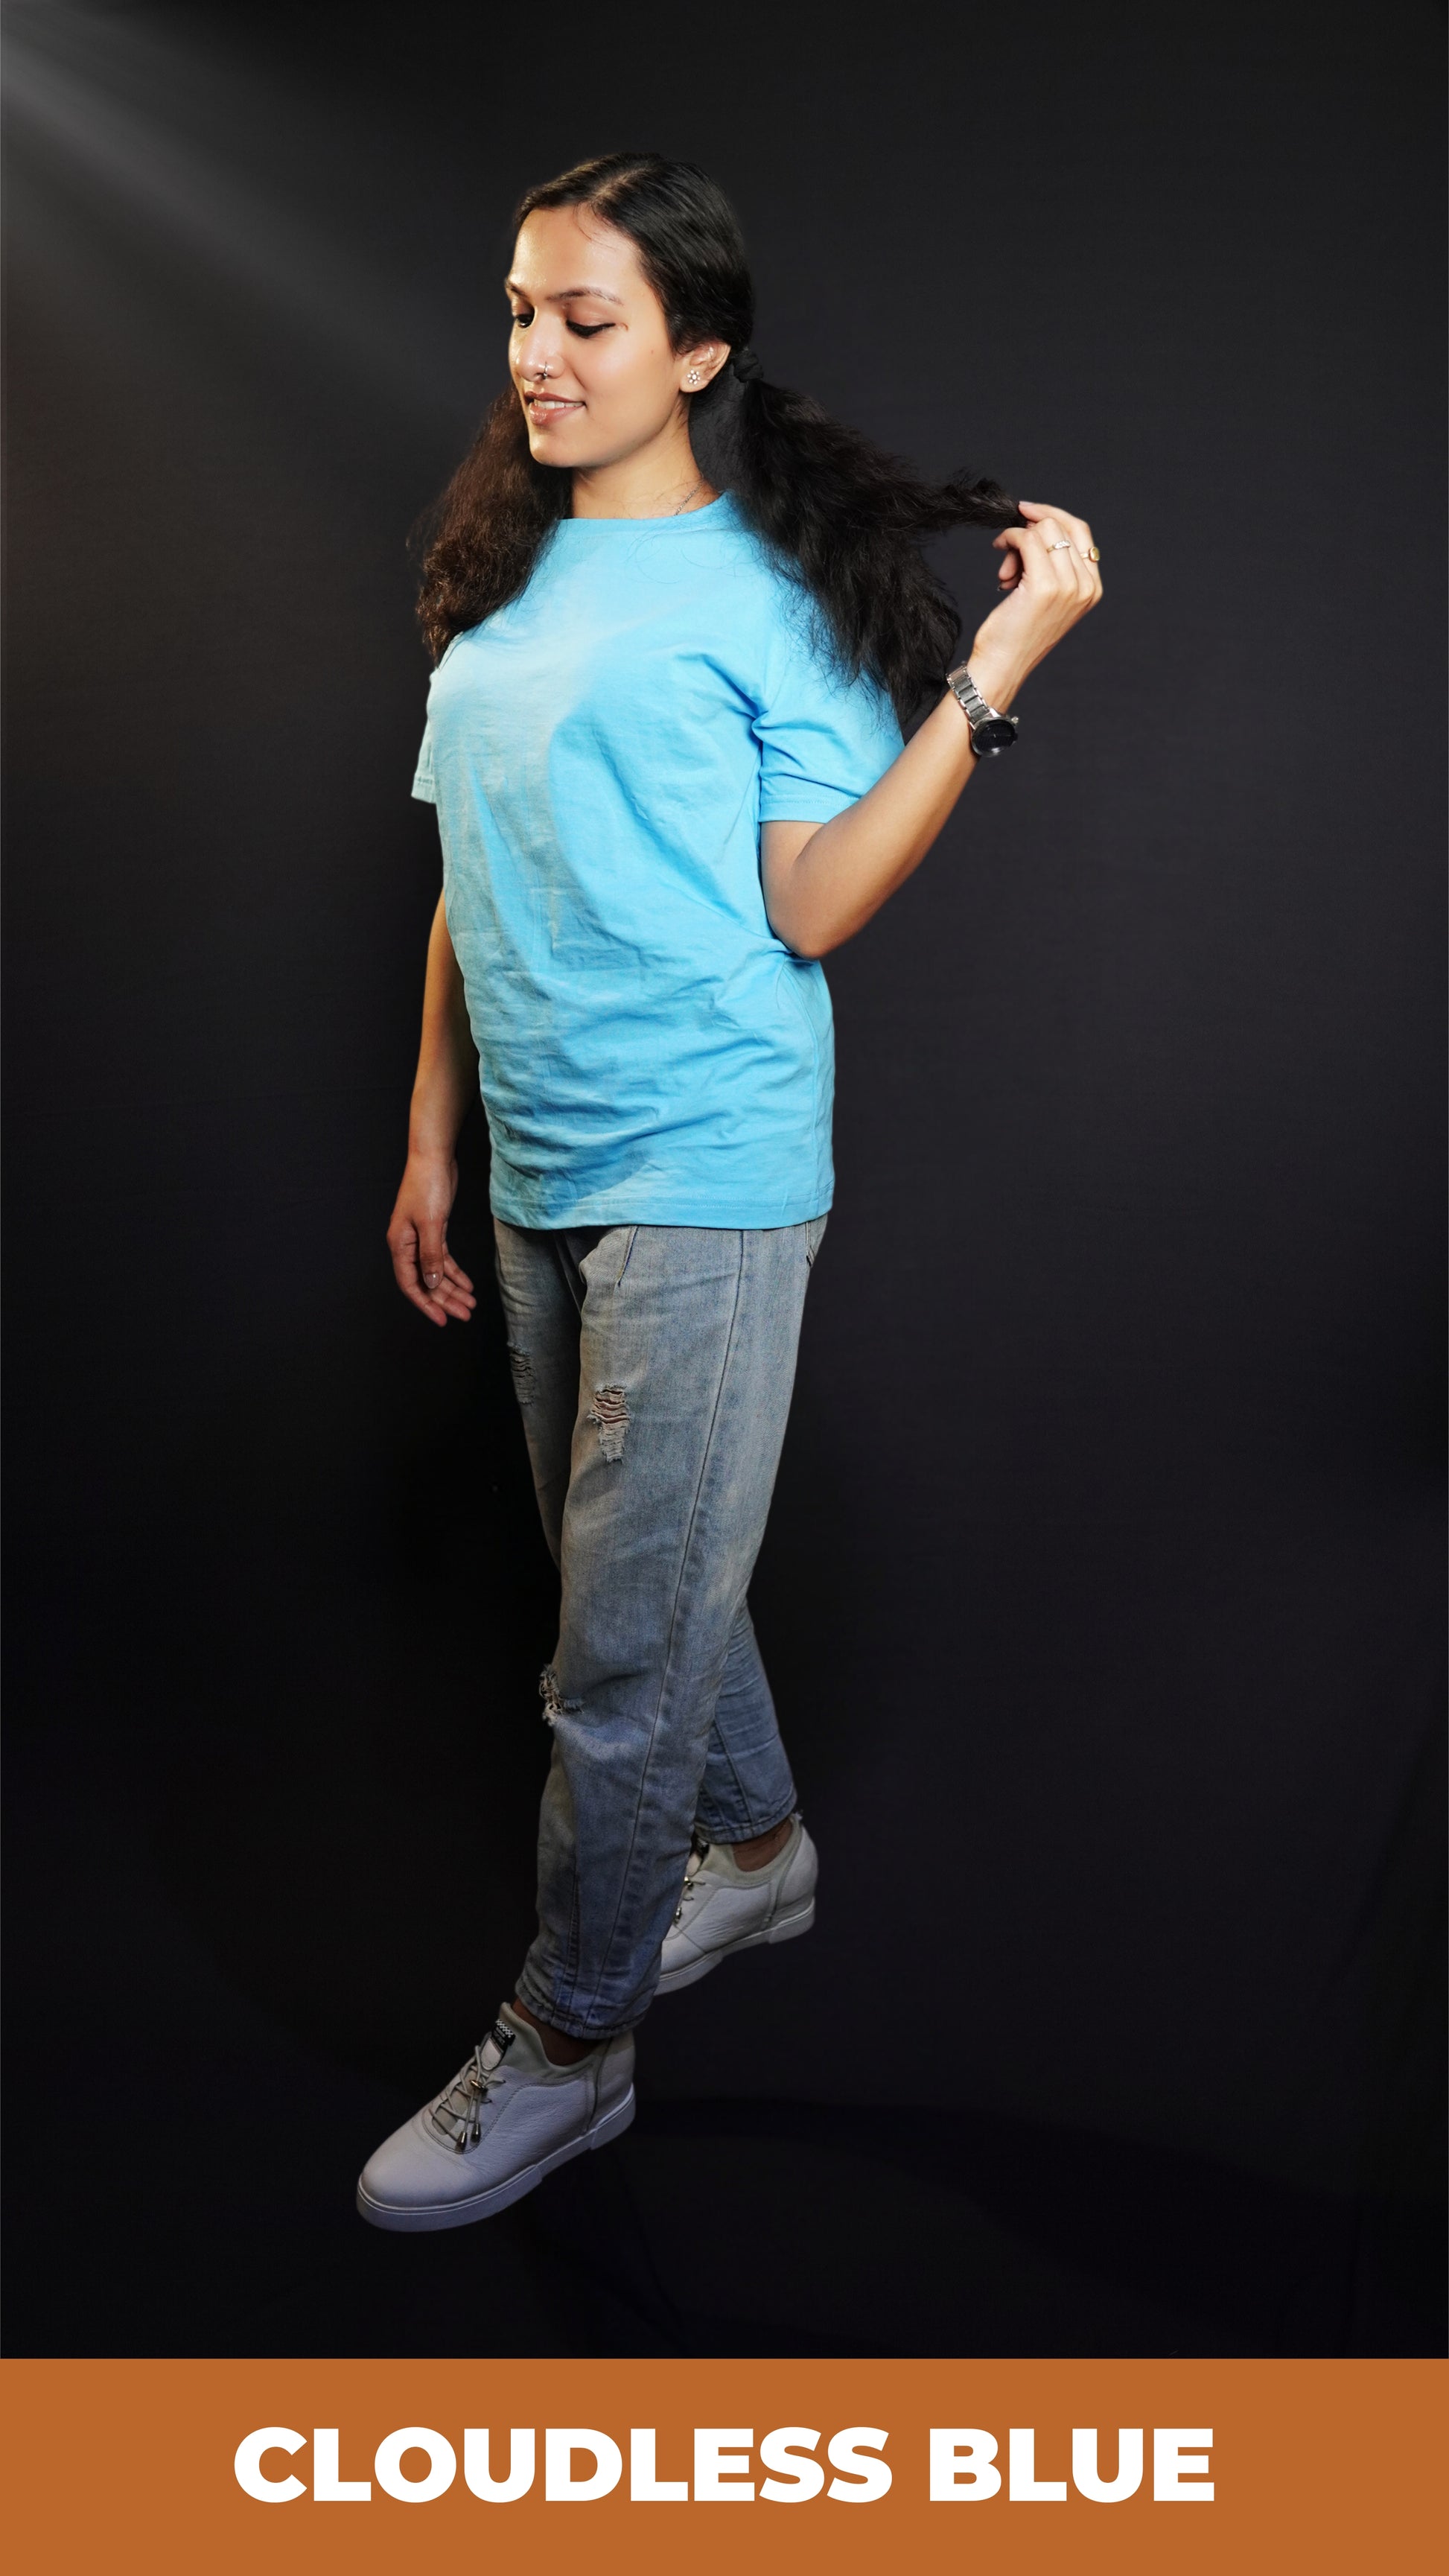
(417, 1236)
(823, 881)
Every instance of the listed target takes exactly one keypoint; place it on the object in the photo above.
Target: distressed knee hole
(550, 1692)
(522, 1366)
(610, 1409)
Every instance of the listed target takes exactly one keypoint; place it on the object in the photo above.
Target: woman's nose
(537, 355)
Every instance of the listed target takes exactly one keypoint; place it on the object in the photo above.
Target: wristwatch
(991, 731)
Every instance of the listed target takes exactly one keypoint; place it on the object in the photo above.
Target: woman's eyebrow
(512, 287)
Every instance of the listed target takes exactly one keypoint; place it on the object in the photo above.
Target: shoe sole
(788, 1928)
(430, 2216)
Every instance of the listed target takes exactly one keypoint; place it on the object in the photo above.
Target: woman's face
(589, 352)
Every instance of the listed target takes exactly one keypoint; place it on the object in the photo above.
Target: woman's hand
(1048, 581)
(823, 881)
(417, 1238)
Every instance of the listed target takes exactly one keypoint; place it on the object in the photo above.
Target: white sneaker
(505, 2121)
(725, 1908)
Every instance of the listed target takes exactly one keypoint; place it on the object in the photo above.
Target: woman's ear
(703, 364)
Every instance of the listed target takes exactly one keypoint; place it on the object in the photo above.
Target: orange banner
(1152, 2466)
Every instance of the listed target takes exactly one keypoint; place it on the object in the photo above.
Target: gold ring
(1092, 553)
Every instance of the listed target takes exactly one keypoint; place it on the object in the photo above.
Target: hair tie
(746, 365)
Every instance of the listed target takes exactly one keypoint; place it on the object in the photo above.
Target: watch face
(995, 733)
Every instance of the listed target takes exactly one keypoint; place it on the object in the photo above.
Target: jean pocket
(630, 1234)
(814, 1237)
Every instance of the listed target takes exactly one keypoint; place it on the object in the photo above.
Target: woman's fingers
(417, 1238)
(1067, 559)
(1067, 524)
(445, 1286)
(447, 1301)
(1075, 530)
(1055, 543)
(427, 1274)
(402, 1243)
(1047, 581)
(1047, 556)
(1053, 551)
(454, 1292)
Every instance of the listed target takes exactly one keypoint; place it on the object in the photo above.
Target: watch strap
(975, 708)
(964, 688)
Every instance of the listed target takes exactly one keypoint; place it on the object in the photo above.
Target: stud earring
(694, 375)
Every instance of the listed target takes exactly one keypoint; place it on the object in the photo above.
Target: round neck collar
(714, 513)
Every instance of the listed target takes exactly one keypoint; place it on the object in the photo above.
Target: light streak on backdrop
(187, 139)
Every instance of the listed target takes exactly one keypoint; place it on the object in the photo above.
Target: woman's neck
(654, 481)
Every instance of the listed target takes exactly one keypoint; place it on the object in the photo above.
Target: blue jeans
(653, 1365)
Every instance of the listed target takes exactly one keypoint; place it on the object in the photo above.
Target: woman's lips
(549, 406)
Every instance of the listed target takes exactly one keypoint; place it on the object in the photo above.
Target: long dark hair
(839, 514)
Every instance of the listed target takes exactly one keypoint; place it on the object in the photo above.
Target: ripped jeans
(653, 1366)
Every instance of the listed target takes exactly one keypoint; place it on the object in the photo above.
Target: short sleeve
(824, 737)
(424, 784)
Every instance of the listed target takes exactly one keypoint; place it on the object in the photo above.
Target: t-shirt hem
(805, 804)
(621, 1206)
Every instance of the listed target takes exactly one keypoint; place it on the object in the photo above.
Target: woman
(680, 616)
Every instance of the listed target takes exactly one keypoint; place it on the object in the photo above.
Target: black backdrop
(1101, 1589)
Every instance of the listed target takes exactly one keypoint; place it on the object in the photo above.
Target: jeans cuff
(578, 2024)
(737, 1831)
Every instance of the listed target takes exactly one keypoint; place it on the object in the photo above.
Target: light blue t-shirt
(602, 752)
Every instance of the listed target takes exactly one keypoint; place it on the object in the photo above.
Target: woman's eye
(589, 330)
(521, 321)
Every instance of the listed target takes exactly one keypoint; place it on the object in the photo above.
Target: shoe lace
(457, 2114)
(698, 1854)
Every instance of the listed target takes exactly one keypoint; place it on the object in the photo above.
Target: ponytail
(847, 520)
